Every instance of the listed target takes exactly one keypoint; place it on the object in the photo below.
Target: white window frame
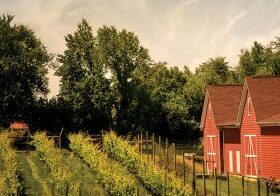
(254, 155)
(238, 161)
(212, 151)
(230, 157)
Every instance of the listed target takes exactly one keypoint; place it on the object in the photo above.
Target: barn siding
(211, 129)
(249, 126)
(231, 143)
(270, 140)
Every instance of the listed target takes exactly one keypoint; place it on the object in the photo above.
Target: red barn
(221, 137)
(245, 125)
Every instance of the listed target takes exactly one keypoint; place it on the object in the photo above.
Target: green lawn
(250, 187)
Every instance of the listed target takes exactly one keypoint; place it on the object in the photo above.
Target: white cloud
(181, 32)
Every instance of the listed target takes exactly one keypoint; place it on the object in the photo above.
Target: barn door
(250, 143)
(210, 153)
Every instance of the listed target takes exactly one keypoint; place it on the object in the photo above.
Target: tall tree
(83, 82)
(214, 71)
(122, 53)
(260, 60)
(23, 68)
(274, 56)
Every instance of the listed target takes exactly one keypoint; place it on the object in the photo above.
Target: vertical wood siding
(270, 157)
(249, 126)
(231, 143)
(211, 129)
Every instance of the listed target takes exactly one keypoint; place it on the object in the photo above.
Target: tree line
(108, 80)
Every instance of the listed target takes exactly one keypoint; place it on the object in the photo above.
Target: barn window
(249, 106)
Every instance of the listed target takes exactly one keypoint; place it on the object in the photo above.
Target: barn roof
(265, 96)
(225, 100)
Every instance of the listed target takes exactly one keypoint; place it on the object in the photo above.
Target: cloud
(233, 20)
(181, 32)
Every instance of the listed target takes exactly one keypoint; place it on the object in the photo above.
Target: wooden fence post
(154, 157)
(159, 144)
(243, 186)
(267, 188)
(166, 154)
(174, 151)
(141, 144)
(228, 184)
(259, 187)
(184, 174)
(204, 183)
(102, 137)
(193, 173)
(216, 184)
(147, 146)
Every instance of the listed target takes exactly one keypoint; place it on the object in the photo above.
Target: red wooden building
(241, 126)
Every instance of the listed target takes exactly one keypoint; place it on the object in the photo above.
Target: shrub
(153, 179)
(115, 183)
(61, 177)
(10, 183)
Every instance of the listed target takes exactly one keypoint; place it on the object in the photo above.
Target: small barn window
(249, 106)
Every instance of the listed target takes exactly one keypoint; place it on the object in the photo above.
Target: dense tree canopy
(260, 60)
(108, 80)
(122, 53)
(23, 69)
(83, 82)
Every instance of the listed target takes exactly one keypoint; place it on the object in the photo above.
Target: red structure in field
(19, 125)
(241, 126)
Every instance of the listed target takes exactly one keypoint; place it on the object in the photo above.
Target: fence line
(185, 162)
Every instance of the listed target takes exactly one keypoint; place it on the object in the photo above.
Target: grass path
(35, 175)
(32, 171)
(82, 173)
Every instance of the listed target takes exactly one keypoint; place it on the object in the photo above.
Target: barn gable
(265, 96)
(224, 100)
(258, 119)
(219, 113)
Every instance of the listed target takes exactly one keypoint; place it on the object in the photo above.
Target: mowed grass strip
(83, 173)
(235, 184)
(35, 174)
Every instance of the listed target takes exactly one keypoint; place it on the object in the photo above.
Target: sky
(180, 32)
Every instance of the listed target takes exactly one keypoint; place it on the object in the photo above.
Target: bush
(10, 182)
(115, 183)
(61, 177)
(153, 179)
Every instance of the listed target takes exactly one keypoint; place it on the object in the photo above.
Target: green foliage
(114, 183)
(83, 83)
(153, 179)
(214, 71)
(23, 69)
(122, 53)
(260, 60)
(10, 181)
(61, 176)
